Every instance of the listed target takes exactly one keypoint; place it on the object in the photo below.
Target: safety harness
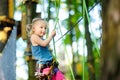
(51, 67)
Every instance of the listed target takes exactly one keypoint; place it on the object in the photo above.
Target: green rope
(57, 22)
(57, 11)
(73, 77)
(83, 62)
(94, 40)
(86, 12)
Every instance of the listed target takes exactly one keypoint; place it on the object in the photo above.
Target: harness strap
(40, 67)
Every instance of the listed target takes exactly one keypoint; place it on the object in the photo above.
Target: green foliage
(21, 7)
(76, 17)
(68, 39)
(78, 33)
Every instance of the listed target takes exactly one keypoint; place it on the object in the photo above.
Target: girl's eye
(41, 27)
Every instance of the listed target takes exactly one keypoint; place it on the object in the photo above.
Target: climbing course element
(8, 58)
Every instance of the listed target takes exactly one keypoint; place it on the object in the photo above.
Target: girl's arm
(35, 39)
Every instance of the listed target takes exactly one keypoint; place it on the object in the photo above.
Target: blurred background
(76, 45)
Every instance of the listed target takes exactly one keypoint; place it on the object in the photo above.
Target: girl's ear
(33, 28)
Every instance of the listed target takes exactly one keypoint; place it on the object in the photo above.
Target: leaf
(78, 33)
(68, 39)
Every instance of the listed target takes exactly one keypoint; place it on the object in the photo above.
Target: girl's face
(39, 28)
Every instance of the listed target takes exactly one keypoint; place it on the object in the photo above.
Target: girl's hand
(53, 33)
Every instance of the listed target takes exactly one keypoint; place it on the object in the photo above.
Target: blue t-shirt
(42, 54)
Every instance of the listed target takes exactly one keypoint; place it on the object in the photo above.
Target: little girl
(46, 66)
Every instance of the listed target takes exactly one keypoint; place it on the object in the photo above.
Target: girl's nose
(44, 30)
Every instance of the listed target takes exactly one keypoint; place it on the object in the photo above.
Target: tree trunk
(110, 59)
(31, 13)
(3, 8)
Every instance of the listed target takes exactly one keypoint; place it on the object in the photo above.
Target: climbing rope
(57, 22)
(57, 11)
(85, 12)
(73, 77)
(83, 61)
(94, 40)
(71, 28)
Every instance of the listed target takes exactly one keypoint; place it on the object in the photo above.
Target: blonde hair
(30, 26)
